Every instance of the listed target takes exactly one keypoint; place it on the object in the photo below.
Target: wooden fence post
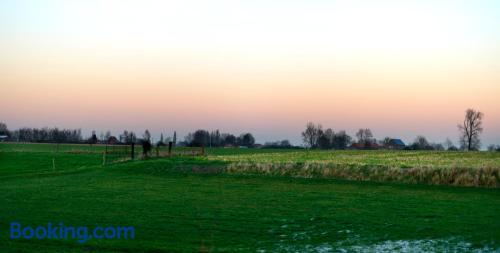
(132, 152)
(169, 148)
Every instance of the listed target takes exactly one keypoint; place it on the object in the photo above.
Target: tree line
(314, 136)
(469, 137)
(215, 138)
(45, 134)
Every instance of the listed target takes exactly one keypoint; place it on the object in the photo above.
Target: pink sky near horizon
(225, 71)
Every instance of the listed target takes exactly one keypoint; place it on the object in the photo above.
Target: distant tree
(365, 136)
(285, 144)
(330, 135)
(447, 144)
(93, 138)
(326, 138)
(311, 135)
(107, 135)
(123, 136)
(278, 144)
(437, 146)
(199, 138)
(470, 130)
(323, 141)
(341, 140)
(3, 129)
(386, 141)
(492, 148)
(246, 140)
(218, 141)
(421, 143)
(228, 139)
(47, 135)
(161, 142)
(215, 139)
(174, 140)
(128, 137)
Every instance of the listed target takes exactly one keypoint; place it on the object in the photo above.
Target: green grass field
(219, 203)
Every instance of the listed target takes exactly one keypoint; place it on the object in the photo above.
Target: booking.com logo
(61, 232)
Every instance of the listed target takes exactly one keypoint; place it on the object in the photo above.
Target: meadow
(478, 169)
(248, 200)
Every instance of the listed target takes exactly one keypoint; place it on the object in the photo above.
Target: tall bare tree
(470, 130)
(364, 136)
(310, 136)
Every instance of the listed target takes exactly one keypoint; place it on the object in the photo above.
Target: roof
(397, 142)
(3, 136)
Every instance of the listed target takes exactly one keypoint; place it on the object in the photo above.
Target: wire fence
(119, 153)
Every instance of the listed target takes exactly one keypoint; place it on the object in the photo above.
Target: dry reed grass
(458, 176)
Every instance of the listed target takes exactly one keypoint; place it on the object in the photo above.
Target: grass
(425, 167)
(190, 204)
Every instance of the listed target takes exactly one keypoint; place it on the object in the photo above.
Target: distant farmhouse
(3, 137)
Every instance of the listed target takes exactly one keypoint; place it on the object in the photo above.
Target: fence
(119, 153)
(178, 151)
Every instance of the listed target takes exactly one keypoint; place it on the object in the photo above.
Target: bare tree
(310, 136)
(421, 143)
(386, 142)
(470, 130)
(364, 136)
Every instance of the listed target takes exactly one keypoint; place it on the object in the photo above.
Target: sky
(401, 68)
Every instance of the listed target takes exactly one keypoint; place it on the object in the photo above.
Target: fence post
(104, 155)
(132, 152)
(157, 151)
(169, 148)
(202, 150)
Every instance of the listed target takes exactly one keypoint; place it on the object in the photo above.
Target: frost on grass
(301, 243)
(440, 245)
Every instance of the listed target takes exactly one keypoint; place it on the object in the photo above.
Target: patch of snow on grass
(406, 246)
